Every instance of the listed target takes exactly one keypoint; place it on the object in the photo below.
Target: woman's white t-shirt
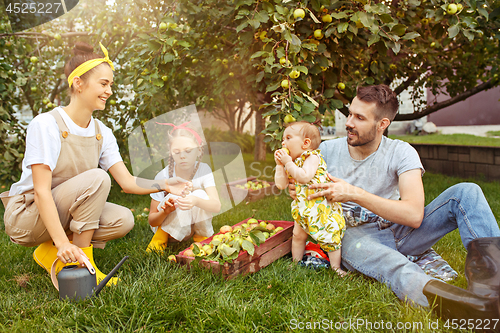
(43, 146)
(203, 178)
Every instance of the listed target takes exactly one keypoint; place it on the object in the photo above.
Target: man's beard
(361, 140)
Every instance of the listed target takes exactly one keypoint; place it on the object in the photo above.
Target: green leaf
(248, 246)
(255, 239)
(302, 69)
(373, 39)
(262, 16)
(273, 86)
(328, 93)
(399, 29)
(295, 40)
(153, 45)
(453, 31)
(254, 23)
(411, 35)
(259, 76)
(468, 34)
(280, 10)
(481, 10)
(386, 18)
(308, 108)
(342, 27)
(339, 15)
(196, 249)
(309, 118)
(370, 80)
(259, 54)
(259, 234)
(242, 26)
(158, 82)
(336, 104)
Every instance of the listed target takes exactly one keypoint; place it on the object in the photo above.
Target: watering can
(78, 283)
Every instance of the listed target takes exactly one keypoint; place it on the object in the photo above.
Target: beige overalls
(80, 190)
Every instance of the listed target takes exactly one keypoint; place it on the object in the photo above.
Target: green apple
(194, 61)
(164, 77)
(318, 34)
(294, 74)
(356, 72)
(33, 89)
(57, 37)
(341, 86)
(452, 9)
(112, 102)
(252, 221)
(289, 118)
(299, 12)
(433, 44)
(231, 74)
(285, 84)
(224, 61)
(460, 7)
(163, 26)
(393, 67)
(326, 18)
(34, 59)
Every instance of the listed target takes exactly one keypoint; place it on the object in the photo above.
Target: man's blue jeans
(381, 253)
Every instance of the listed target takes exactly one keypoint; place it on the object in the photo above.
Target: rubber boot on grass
(89, 252)
(158, 242)
(45, 254)
(198, 238)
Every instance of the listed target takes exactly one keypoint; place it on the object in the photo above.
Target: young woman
(60, 201)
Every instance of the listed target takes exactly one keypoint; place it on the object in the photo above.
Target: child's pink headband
(183, 126)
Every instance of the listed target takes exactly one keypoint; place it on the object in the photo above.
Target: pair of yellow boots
(160, 239)
(46, 253)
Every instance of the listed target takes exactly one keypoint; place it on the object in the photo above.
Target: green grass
(155, 296)
(493, 133)
(450, 139)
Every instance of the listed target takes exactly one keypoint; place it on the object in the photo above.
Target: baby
(301, 160)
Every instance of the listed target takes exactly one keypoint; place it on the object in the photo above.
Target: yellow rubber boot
(198, 238)
(45, 254)
(158, 242)
(89, 252)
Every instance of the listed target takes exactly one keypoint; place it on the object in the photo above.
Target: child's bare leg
(298, 242)
(335, 259)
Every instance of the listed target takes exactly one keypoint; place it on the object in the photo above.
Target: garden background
(226, 57)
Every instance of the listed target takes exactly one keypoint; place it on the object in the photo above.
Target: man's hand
(179, 186)
(336, 191)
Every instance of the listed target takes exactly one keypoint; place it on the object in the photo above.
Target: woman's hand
(69, 253)
(179, 186)
(186, 203)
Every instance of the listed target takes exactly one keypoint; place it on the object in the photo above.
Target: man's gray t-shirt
(378, 173)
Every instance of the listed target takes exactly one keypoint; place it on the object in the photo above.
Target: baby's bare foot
(340, 271)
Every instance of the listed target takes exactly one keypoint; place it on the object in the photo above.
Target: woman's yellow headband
(89, 64)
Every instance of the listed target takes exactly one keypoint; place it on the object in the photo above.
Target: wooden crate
(272, 249)
(239, 194)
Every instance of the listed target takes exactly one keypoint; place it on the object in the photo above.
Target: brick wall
(461, 161)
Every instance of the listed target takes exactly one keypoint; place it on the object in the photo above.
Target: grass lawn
(155, 296)
(450, 139)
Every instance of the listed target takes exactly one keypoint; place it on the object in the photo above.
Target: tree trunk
(260, 145)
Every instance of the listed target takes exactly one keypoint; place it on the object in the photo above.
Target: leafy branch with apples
(277, 61)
